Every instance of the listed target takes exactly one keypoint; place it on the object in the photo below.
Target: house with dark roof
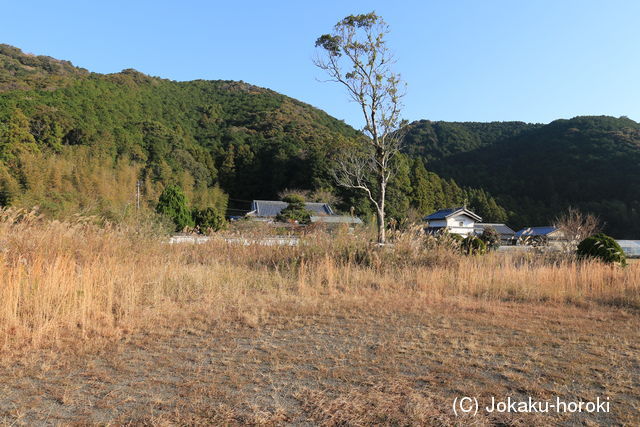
(536, 236)
(455, 220)
(506, 233)
(321, 213)
(269, 209)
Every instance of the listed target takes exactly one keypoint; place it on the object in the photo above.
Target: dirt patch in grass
(338, 363)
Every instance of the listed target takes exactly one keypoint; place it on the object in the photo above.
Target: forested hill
(536, 171)
(24, 71)
(75, 141)
(438, 140)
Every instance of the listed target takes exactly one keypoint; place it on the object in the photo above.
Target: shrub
(490, 237)
(208, 219)
(173, 204)
(602, 247)
(295, 211)
(443, 239)
(472, 245)
(455, 237)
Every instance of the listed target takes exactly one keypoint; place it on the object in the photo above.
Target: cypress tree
(174, 205)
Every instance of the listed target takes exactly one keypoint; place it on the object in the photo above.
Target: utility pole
(138, 195)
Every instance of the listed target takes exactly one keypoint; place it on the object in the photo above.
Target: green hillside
(438, 140)
(19, 70)
(74, 141)
(536, 171)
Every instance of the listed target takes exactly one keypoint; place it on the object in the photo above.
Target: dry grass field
(111, 326)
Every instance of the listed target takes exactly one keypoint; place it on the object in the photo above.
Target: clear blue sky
(468, 60)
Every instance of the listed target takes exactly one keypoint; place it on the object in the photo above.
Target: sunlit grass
(62, 279)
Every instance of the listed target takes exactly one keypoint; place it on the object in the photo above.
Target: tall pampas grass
(75, 280)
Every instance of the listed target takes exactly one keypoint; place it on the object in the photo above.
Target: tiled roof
(500, 228)
(536, 231)
(271, 208)
(446, 213)
(346, 219)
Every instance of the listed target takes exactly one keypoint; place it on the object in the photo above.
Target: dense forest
(537, 171)
(74, 141)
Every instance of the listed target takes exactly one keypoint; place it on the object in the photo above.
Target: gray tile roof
(346, 219)
(271, 208)
(536, 231)
(446, 213)
(502, 229)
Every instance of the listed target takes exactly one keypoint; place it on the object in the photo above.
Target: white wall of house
(458, 224)
(460, 221)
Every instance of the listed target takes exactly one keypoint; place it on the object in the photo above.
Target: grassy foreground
(106, 325)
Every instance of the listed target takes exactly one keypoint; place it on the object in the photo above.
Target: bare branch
(575, 227)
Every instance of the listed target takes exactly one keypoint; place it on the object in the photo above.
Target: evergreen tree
(453, 194)
(399, 190)
(436, 190)
(16, 137)
(9, 187)
(495, 212)
(208, 219)
(295, 211)
(602, 247)
(421, 197)
(174, 205)
(228, 169)
(485, 206)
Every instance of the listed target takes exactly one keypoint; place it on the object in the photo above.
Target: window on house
(461, 223)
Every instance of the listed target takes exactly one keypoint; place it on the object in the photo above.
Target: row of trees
(413, 191)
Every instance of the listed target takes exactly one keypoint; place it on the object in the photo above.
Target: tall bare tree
(575, 227)
(356, 55)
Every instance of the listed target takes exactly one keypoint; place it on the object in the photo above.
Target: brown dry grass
(115, 327)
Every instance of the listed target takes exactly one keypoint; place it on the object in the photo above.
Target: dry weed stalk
(69, 280)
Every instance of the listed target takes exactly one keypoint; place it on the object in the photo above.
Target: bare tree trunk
(380, 210)
(381, 227)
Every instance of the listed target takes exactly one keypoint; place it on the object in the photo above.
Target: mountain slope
(536, 171)
(72, 140)
(437, 140)
(24, 71)
(204, 134)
